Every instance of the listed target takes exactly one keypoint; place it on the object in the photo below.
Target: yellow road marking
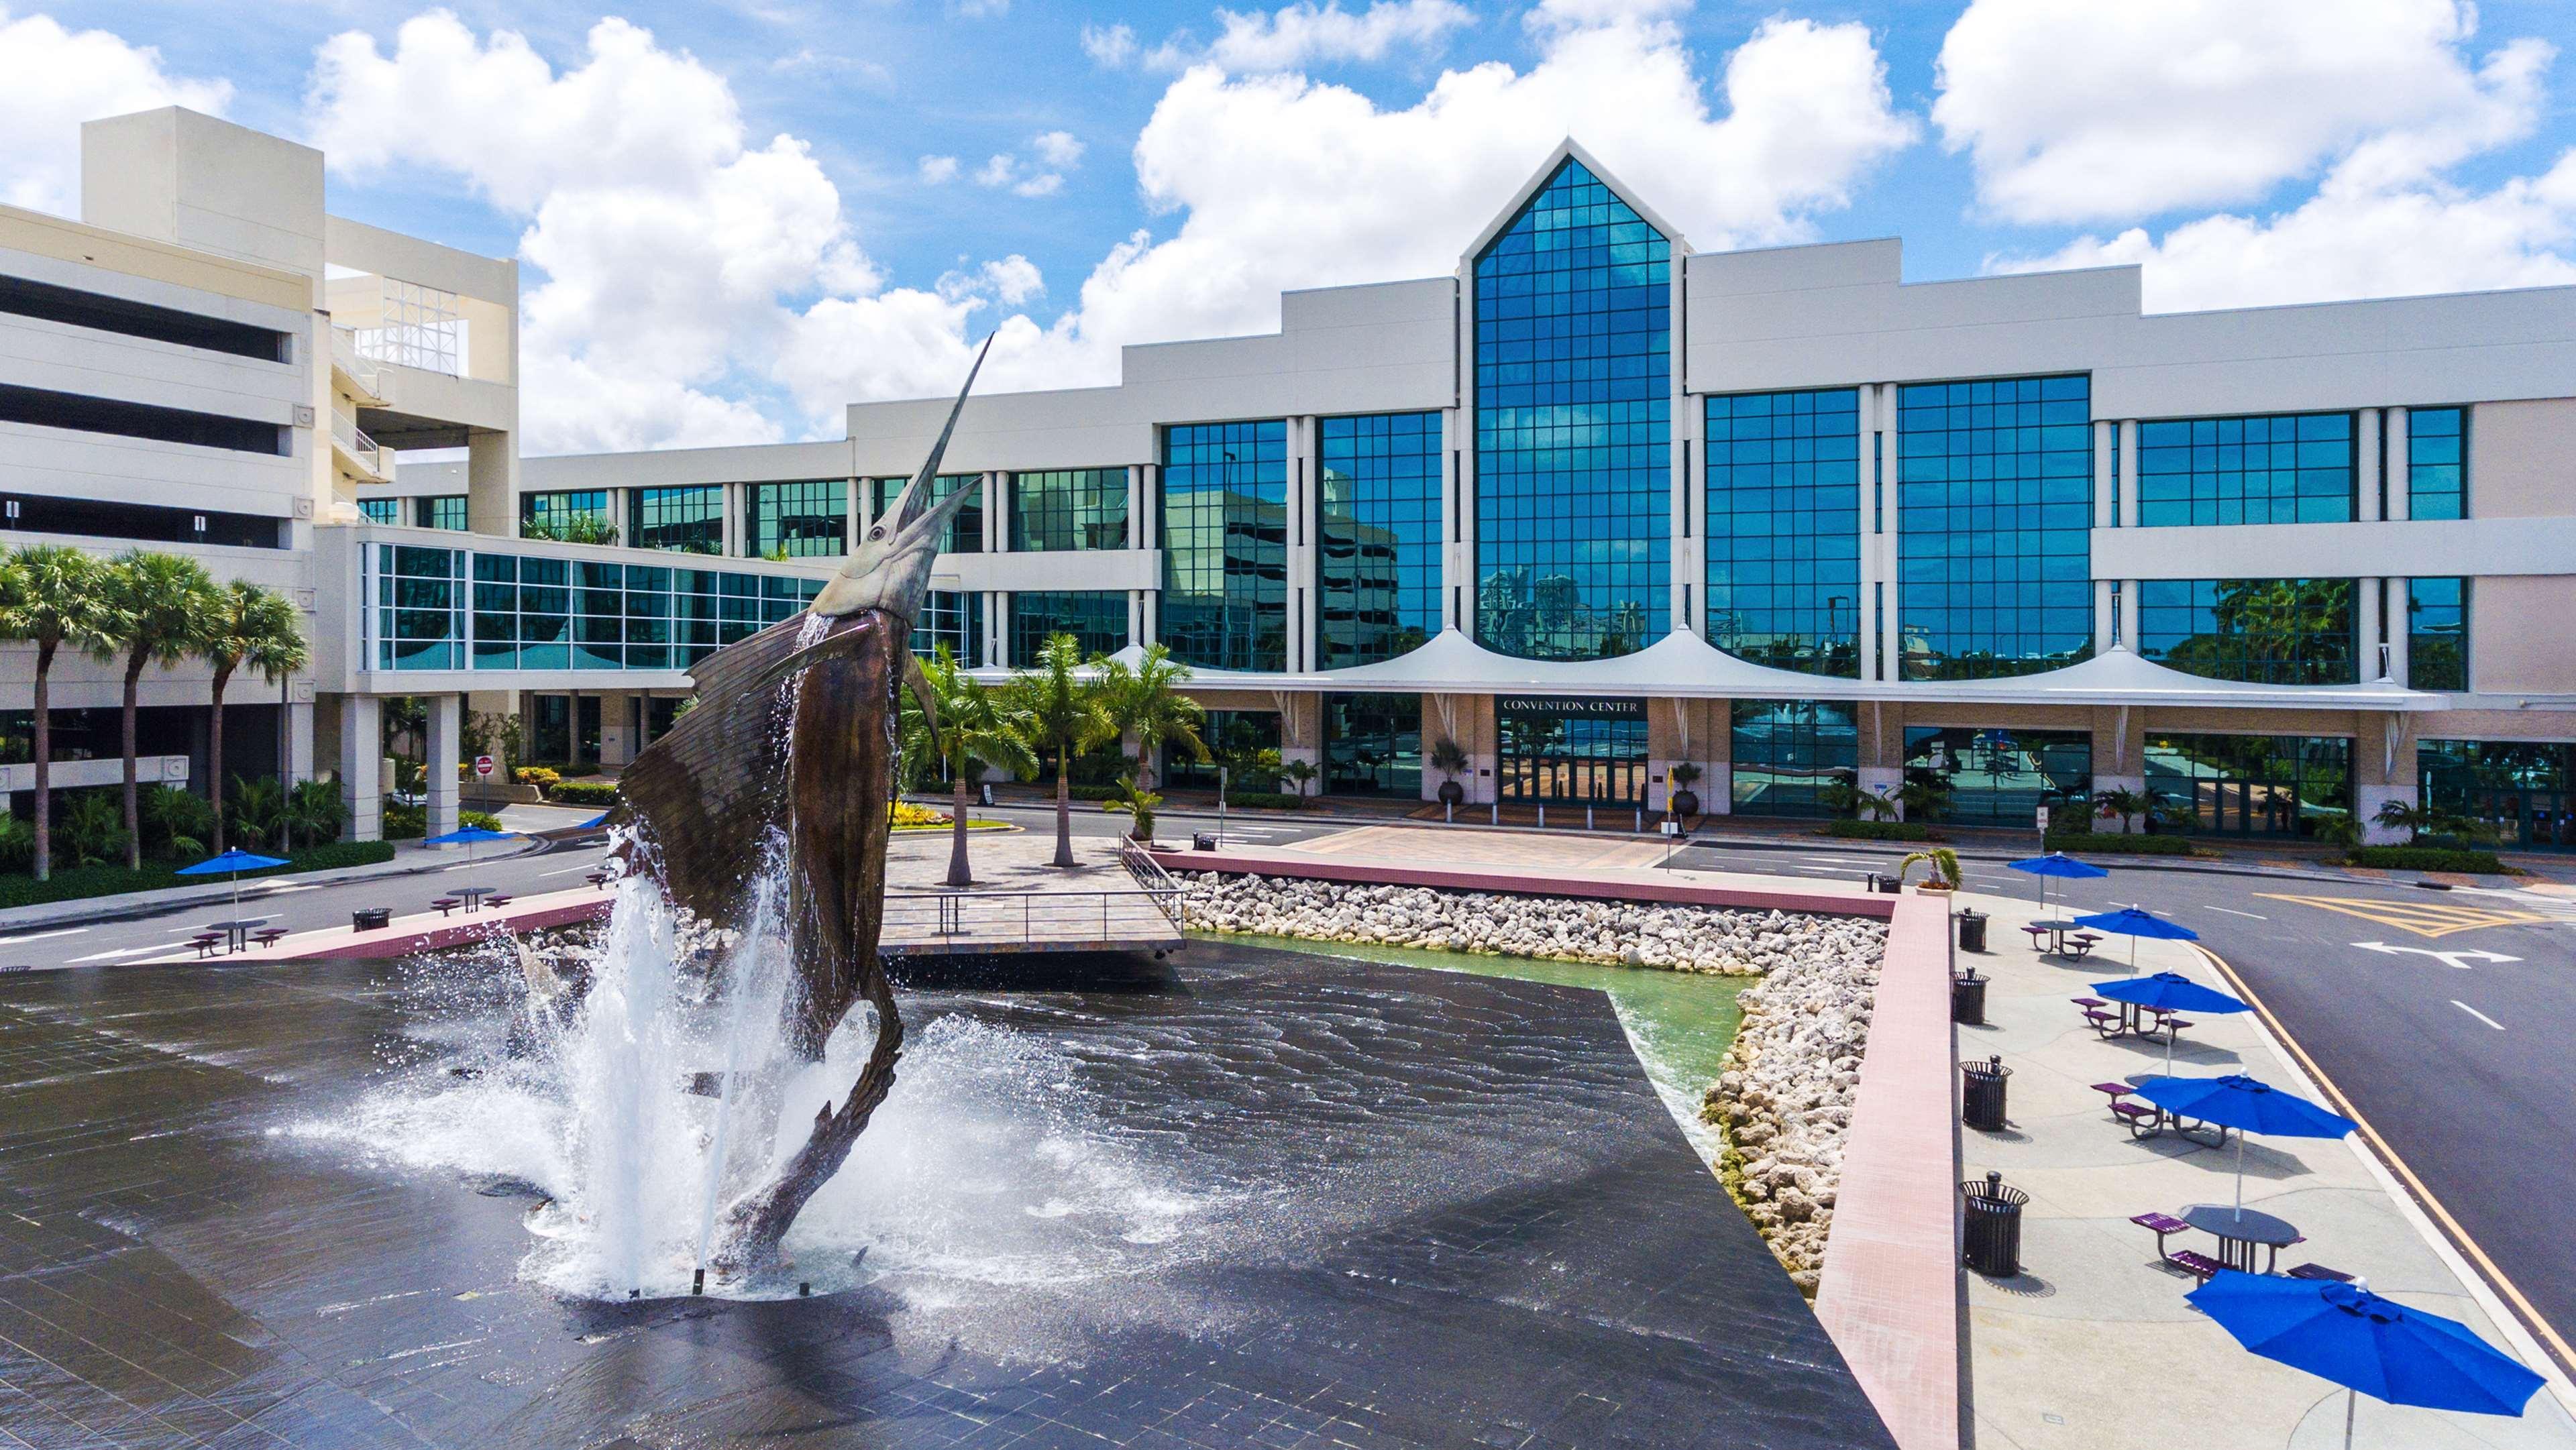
(2424, 918)
(2551, 1340)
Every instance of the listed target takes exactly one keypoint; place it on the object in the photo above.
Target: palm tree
(2126, 804)
(155, 606)
(48, 598)
(1063, 715)
(251, 624)
(2417, 821)
(975, 727)
(1145, 701)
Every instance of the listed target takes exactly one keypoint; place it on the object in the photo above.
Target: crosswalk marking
(2424, 918)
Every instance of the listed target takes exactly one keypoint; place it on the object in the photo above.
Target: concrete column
(2126, 626)
(1883, 780)
(446, 719)
(492, 484)
(1305, 567)
(1689, 525)
(1891, 557)
(2366, 628)
(2401, 478)
(299, 736)
(1865, 609)
(997, 628)
(2365, 473)
(572, 730)
(361, 777)
(2106, 482)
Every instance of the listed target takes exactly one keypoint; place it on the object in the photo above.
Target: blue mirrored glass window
(1789, 754)
(1994, 527)
(2268, 631)
(2437, 463)
(1069, 508)
(445, 511)
(581, 515)
(2525, 789)
(1783, 521)
(1096, 618)
(689, 519)
(2250, 785)
(2002, 776)
(806, 518)
(2288, 468)
(1225, 545)
(1378, 522)
(1373, 745)
(381, 510)
(954, 618)
(2437, 634)
(1573, 426)
(965, 527)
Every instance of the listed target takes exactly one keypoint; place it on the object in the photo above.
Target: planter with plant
(1448, 758)
(1945, 874)
(1682, 799)
(1299, 774)
(1137, 804)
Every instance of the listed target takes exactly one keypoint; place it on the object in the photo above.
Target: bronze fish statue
(792, 746)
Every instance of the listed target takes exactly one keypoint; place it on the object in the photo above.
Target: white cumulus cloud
(1304, 33)
(2109, 111)
(51, 80)
(938, 170)
(1111, 46)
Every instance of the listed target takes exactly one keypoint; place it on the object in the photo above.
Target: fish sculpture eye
(877, 533)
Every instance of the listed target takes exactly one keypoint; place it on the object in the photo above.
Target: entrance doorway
(1571, 751)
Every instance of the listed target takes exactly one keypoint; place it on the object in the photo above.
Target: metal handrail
(1029, 917)
(1150, 875)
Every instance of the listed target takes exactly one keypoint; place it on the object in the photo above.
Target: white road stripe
(568, 870)
(11, 941)
(2474, 1012)
(2233, 912)
(119, 952)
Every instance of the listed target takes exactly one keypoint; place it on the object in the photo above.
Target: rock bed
(1784, 1099)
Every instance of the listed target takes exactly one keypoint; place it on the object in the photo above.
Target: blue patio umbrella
(2055, 863)
(2346, 1334)
(2132, 923)
(594, 823)
(2169, 992)
(233, 863)
(469, 838)
(2247, 1105)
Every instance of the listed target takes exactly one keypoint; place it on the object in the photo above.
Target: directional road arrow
(2459, 959)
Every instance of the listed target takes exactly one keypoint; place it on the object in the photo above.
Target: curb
(131, 910)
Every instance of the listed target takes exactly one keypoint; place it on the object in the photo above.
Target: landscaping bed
(2121, 842)
(2428, 858)
(76, 883)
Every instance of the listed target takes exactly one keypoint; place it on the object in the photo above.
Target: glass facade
(450, 609)
(381, 510)
(805, 519)
(955, 618)
(2250, 785)
(2525, 789)
(562, 513)
(2437, 634)
(1783, 523)
(1069, 508)
(2437, 463)
(1096, 618)
(2268, 631)
(446, 511)
(1578, 753)
(1573, 426)
(1225, 545)
(2289, 468)
(1994, 527)
(1788, 753)
(689, 520)
(1378, 524)
(1373, 745)
(2002, 777)
(1245, 743)
(965, 527)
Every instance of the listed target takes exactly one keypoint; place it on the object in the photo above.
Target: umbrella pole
(2351, 1399)
(2240, 1173)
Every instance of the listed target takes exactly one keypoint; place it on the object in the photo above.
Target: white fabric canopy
(1682, 665)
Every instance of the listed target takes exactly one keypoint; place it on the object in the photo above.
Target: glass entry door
(1571, 752)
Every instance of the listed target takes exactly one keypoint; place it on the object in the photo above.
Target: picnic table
(2148, 1120)
(2240, 1231)
(2131, 1020)
(473, 896)
(2059, 942)
(237, 933)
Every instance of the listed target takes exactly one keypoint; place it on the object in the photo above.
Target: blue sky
(688, 279)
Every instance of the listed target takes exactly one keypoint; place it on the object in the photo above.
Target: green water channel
(1678, 1023)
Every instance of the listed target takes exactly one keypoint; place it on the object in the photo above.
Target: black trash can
(371, 918)
(1203, 840)
(1972, 931)
(1982, 1105)
(1992, 1243)
(1968, 999)
(1885, 885)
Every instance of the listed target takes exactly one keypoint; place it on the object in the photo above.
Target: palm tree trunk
(133, 811)
(959, 874)
(215, 753)
(44, 762)
(1063, 808)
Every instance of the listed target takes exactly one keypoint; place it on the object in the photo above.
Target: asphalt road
(2452, 1040)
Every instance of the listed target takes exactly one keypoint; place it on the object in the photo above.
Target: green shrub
(1263, 800)
(177, 823)
(1091, 792)
(584, 793)
(2427, 858)
(405, 823)
(2135, 845)
(485, 819)
(91, 828)
(81, 882)
(1880, 830)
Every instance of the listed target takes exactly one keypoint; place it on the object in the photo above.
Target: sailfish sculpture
(708, 803)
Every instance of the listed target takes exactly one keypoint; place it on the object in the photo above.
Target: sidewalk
(410, 858)
(2091, 1346)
